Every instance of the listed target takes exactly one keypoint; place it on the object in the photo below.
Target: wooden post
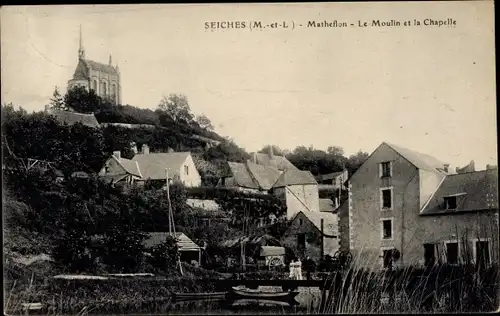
(322, 240)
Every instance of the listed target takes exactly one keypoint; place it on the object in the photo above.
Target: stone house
(403, 200)
(299, 190)
(304, 234)
(120, 170)
(180, 166)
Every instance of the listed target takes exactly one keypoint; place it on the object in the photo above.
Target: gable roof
(70, 118)
(330, 221)
(475, 191)
(130, 166)
(184, 243)
(419, 160)
(152, 166)
(278, 162)
(253, 176)
(294, 177)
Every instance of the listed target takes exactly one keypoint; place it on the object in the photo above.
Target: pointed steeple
(81, 50)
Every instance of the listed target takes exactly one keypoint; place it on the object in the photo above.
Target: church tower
(103, 79)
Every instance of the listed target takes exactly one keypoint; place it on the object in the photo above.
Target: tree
(276, 150)
(83, 101)
(57, 101)
(335, 150)
(177, 107)
(204, 122)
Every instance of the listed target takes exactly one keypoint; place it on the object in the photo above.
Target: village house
(249, 177)
(272, 160)
(313, 234)
(411, 204)
(180, 167)
(118, 169)
(299, 190)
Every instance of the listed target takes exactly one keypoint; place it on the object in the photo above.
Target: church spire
(81, 50)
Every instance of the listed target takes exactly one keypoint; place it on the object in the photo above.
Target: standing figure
(292, 269)
(298, 270)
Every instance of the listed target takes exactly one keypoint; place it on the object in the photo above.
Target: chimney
(47, 108)
(254, 157)
(446, 167)
(145, 149)
(117, 154)
(271, 152)
(110, 60)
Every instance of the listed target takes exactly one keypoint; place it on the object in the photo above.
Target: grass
(444, 288)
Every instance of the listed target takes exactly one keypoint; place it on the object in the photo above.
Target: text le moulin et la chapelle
(284, 24)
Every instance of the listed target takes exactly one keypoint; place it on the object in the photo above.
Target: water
(307, 301)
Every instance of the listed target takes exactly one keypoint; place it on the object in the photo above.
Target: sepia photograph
(250, 158)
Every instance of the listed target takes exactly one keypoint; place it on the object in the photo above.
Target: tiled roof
(419, 160)
(70, 118)
(253, 176)
(130, 166)
(152, 166)
(475, 191)
(279, 162)
(294, 177)
(184, 244)
(100, 67)
(265, 176)
(330, 221)
(81, 71)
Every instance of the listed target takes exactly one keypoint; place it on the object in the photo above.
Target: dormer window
(385, 169)
(450, 202)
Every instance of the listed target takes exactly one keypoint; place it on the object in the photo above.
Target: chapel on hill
(104, 79)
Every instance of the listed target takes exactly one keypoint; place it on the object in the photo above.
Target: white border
(382, 228)
(381, 198)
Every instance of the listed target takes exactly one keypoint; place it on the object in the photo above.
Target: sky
(428, 88)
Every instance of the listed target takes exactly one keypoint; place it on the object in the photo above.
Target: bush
(166, 254)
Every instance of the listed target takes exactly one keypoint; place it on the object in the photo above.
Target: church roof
(85, 65)
(100, 67)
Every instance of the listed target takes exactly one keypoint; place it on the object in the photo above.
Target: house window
(482, 253)
(429, 254)
(301, 241)
(186, 170)
(300, 221)
(451, 252)
(386, 198)
(450, 202)
(94, 85)
(385, 169)
(387, 228)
